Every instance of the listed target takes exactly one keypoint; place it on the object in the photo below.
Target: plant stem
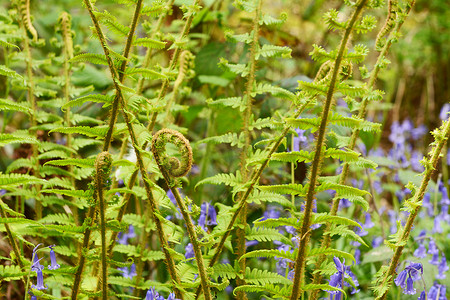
(240, 231)
(355, 133)
(316, 164)
(441, 137)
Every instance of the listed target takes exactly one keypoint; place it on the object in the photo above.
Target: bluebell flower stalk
(413, 205)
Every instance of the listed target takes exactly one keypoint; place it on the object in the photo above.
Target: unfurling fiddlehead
(26, 18)
(102, 170)
(172, 165)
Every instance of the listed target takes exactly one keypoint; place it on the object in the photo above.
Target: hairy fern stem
(326, 241)
(316, 164)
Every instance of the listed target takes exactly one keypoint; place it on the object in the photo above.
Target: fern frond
(274, 290)
(343, 231)
(5, 71)
(273, 223)
(262, 234)
(97, 132)
(145, 254)
(98, 59)
(79, 162)
(343, 190)
(294, 156)
(233, 102)
(6, 138)
(20, 163)
(321, 218)
(264, 277)
(260, 196)
(11, 272)
(71, 193)
(12, 180)
(97, 98)
(146, 73)
(58, 218)
(272, 253)
(230, 138)
(330, 251)
(273, 51)
(271, 21)
(227, 179)
(149, 43)
(225, 271)
(286, 189)
(9, 105)
(263, 88)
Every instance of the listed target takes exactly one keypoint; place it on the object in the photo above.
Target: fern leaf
(285, 189)
(5, 71)
(330, 251)
(97, 98)
(272, 253)
(271, 21)
(9, 105)
(343, 155)
(12, 180)
(264, 88)
(146, 73)
(321, 218)
(225, 271)
(273, 51)
(273, 223)
(343, 231)
(231, 138)
(71, 193)
(10, 211)
(11, 272)
(20, 163)
(57, 218)
(145, 255)
(79, 162)
(294, 156)
(264, 277)
(234, 102)
(260, 196)
(275, 290)
(343, 190)
(6, 138)
(261, 234)
(149, 43)
(227, 179)
(98, 59)
(97, 132)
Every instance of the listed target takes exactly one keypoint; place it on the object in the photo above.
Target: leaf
(261, 234)
(97, 98)
(149, 43)
(227, 179)
(330, 251)
(70, 193)
(294, 156)
(261, 196)
(273, 51)
(97, 132)
(6, 138)
(264, 277)
(5, 71)
(6, 104)
(234, 102)
(11, 272)
(225, 271)
(98, 59)
(285, 189)
(263, 88)
(12, 180)
(272, 253)
(79, 162)
(146, 73)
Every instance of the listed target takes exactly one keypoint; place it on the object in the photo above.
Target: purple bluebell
(423, 296)
(421, 251)
(360, 230)
(368, 221)
(122, 238)
(36, 265)
(299, 141)
(377, 241)
(128, 272)
(406, 278)
(418, 132)
(282, 263)
(172, 297)
(443, 115)
(33, 297)
(434, 251)
(189, 251)
(40, 281)
(208, 215)
(442, 268)
(357, 256)
(271, 212)
(153, 295)
(428, 205)
(337, 278)
(344, 203)
(2, 192)
(291, 274)
(54, 265)
(437, 292)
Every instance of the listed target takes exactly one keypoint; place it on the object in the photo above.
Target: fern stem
(153, 206)
(12, 241)
(441, 137)
(103, 168)
(316, 164)
(240, 231)
(326, 241)
(172, 64)
(170, 169)
(255, 179)
(116, 76)
(25, 23)
(149, 53)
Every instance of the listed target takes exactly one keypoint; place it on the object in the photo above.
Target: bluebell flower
(377, 241)
(428, 205)
(337, 278)
(407, 277)
(442, 268)
(33, 297)
(122, 238)
(189, 251)
(437, 292)
(300, 140)
(421, 251)
(40, 281)
(128, 272)
(36, 265)
(423, 296)
(172, 297)
(153, 295)
(357, 256)
(2, 192)
(443, 115)
(344, 203)
(360, 230)
(368, 221)
(434, 251)
(54, 265)
(208, 215)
